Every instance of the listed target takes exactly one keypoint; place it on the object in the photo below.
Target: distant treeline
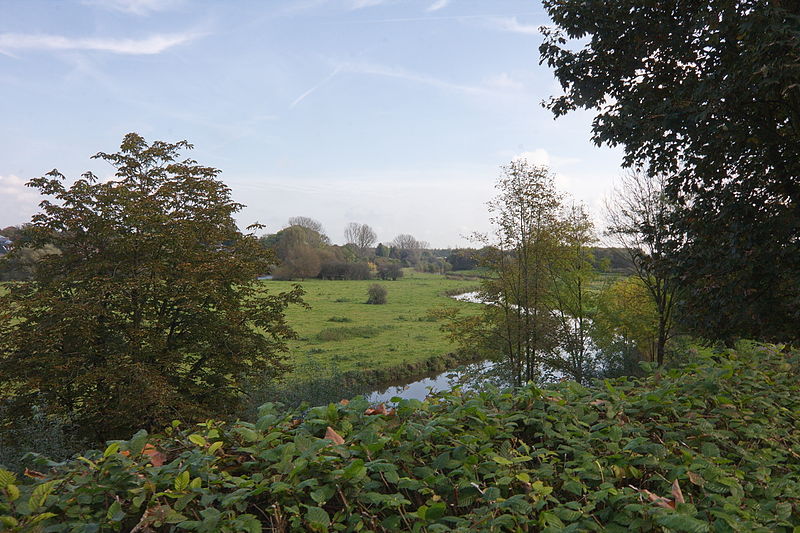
(305, 252)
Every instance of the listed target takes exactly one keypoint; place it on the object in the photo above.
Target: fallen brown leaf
(156, 457)
(677, 493)
(331, 435)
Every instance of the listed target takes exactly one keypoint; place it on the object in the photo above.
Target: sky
(394, 113)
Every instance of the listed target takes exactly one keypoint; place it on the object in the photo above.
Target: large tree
(150, 312)
(707, 92)
(360, 235)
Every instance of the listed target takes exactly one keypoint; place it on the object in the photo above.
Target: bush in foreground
(711, 447)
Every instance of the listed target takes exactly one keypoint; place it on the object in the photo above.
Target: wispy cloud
(155, 44)
(403, 74)
(360, 4)
(511, 24)
(437, 5)
(322, 82)
(135, 7)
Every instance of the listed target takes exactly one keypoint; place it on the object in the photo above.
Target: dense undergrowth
(714, 446)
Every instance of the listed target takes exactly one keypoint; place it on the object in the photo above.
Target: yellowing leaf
(12, 491)
(182, 481)
(40, 494)
(197, 439)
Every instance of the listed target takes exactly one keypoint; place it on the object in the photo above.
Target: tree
(573, 301)
(639, 216)
(707, 93)
(408, 249)
(360, 235)
(463, 259)
(525, 215)
(389, 270)
(625, 326)
(151, 311)
(312, 224)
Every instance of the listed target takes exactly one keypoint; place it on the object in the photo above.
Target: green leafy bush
(714, 446)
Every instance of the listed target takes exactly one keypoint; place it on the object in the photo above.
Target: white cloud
(155, 44)
(538, 156)
(360, 4)
(504, 82)
(437, 5)
(17, 202)
(135, 7)
(511, 24)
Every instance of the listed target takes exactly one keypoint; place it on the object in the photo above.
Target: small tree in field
(150, 312)
(376, 294)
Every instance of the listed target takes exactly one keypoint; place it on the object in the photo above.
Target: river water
(470, 377)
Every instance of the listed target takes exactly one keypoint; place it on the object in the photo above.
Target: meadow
(341, 330)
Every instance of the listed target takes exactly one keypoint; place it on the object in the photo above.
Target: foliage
(361, 236)
(639, 220)
(709, 447)
(706, 93)
(388, 269)
(312, 225)
(20, 264)
(150, 310)
(343, 270)
(573, 300)
(407, 249)
(463, 259)
(525, 252)
(376, 294)
(625, 326)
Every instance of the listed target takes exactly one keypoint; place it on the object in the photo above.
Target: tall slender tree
(640, 221)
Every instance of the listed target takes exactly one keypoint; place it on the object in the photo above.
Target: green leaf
(182, 481)
(40, 494)
(6, 478)
(112, 449)
(197, 439)
(9, 521)
(323, 494)
(214, 447)
(435, 511)
(683, 523)
(317, 516)
(248, 434)
(136, 444)
(196, 483)
(115, 512)
(13, 492)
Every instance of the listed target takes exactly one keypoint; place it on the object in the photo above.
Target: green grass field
(341, 329)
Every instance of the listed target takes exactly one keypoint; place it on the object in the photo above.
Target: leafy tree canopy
(150, 311)
(707, 93)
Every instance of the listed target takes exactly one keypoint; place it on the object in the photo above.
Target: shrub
(390, 271)
(708, 447)
(377, 294)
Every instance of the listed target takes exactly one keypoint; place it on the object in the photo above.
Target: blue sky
(394, 113)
